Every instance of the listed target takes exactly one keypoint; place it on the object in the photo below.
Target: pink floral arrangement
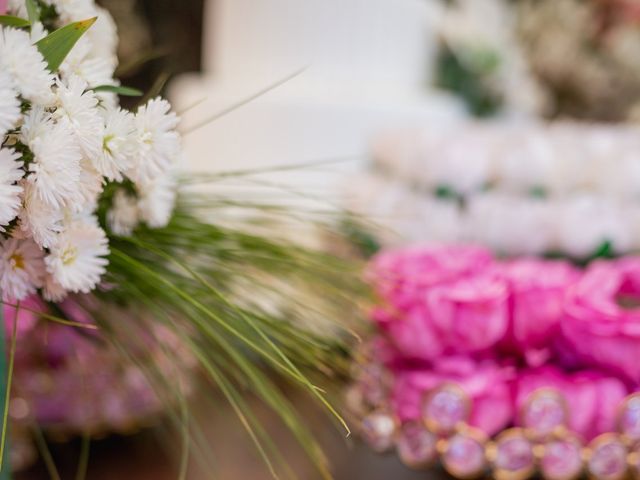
(472, 341)
(56, 383)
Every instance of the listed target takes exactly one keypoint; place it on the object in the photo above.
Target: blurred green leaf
(120, 90)
(56, 46)
(11, 21)
(32, 11)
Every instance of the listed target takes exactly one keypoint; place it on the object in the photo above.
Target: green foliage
(56, 46)
(120, 90)
(257, 311)
(33, 11)
(11, 21)
(469, 80)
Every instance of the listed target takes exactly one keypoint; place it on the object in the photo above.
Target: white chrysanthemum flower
(95, 71)
(91, 183)
(10, 173)
(103, 35)
(73, 10)
(77, 260)
(38, 219)
(22, 268)
(118, 144)
(156, 200)
(158, 142)
(77, 107)
(9, 104)
(123, 217)
(37, 32)
(25, 64)
(52, 291)
(55, 171)
(36, 123)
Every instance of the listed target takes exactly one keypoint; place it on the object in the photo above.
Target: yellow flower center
(69, 255)
(17, 261)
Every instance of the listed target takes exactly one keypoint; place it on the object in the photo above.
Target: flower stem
(5, 468)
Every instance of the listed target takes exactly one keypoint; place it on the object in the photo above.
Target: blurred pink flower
(485, 382)
(410, 333)
(537, 291)
(3, 7)
(602, 317)
(470, 314)
(27, 314)
(592, 397)
(401, 276)
(438, 299)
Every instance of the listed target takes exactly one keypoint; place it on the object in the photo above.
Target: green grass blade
(33, 11)
(11, 21)
(119, 89)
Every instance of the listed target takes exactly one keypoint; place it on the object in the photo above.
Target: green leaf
(11, 21)
(125, 91)
(32, 11)
(56, 46)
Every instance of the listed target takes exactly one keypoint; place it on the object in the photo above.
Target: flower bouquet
(101, 241)
(509, 366)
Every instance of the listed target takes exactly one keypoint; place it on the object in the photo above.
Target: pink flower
(485, 382)
(439, 300)
(401, 276)
(592, 397)
(537, 290)
(470, 314)
(411, 333)
(27, 314)
(3, 7)
(602, 319)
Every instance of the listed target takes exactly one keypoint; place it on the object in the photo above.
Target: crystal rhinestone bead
(629, 418)
(373, 381)
(544, 412)
(463, 454)
(607, 458)
(445, 408)
(561, 459)
(416, 445)
(378, 430)
(512, 455)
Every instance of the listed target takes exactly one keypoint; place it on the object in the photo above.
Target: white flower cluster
(520, 189)
(60, 144)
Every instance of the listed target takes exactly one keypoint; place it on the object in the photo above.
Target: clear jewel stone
(544, 411)
(378, 431)
(445, 408)
(561, 460)
(608, 460)
(630, 418)
(463, 456)
(416, 445)
(514, 453)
